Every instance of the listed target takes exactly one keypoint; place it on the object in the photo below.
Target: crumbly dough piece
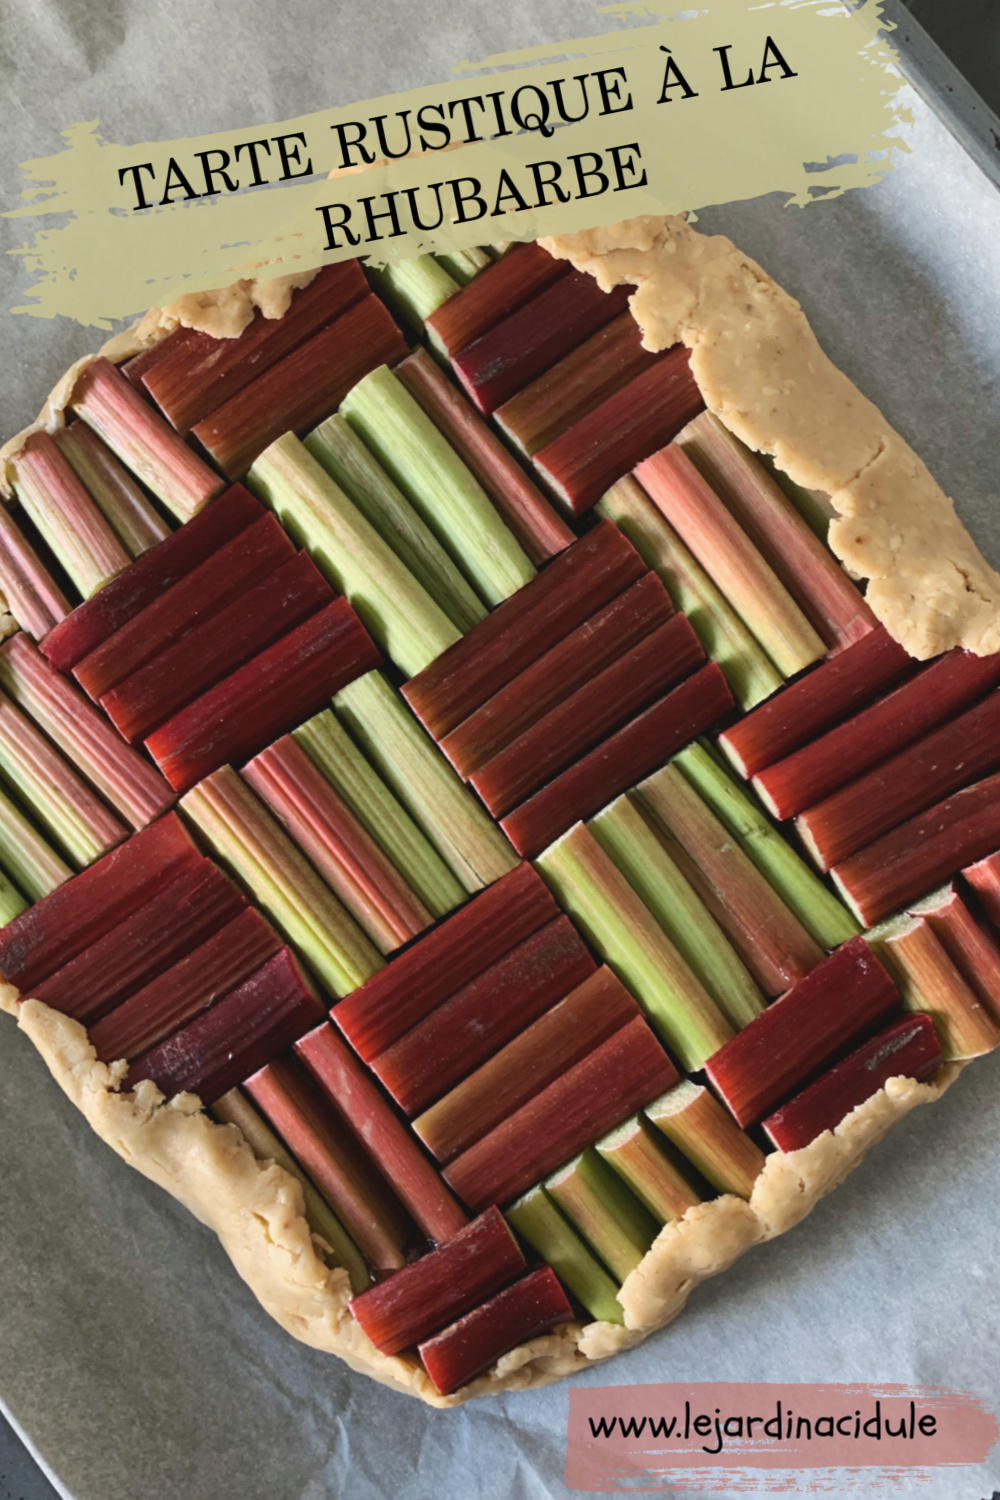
(763, 373)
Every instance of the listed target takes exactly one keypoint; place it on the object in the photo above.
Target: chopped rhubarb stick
(343, 455)
(478, 1019)
(438, 484)
(85, 909)
(625, 429)
(188, 987)
(597, 896)
(642, 1159)
(235, 1108)
(303, 387)
(617, 1225)
(570, 664)
(33, 597)
(408, 623)
(474, 1343)
(825, 697)
(819, 911)
(807, 568)
(520, 275)
(772, 941)
(907, 784)
(449, 957)
(188, 910)
(971, 947)
(588, 716)
(234, 1039)
(349, 860)
(819, 1020)
(641, 856)
(263, 699)
(730, 558)
(93, 622)
(749, 672)
(116, 494)
(143, 440)
(537, 1220)
(929, 981)
(463, 265)
(25, 855)
(223, 576)
(66, 516)
(512, 353)
(248, 840)
(215, 647)
(593, 1096)
(439, 1287)
(578, 583)
(12, 903)
(414, 288)
(528, 514)
(334, 753)
(696, 1123)
(122, 777)
(908, 1048)
(591, 1013)
(629, 754)
(984, 878)
(79, 823)
(402, 1161)
(135, 368)
(605, 362)
(202, 372)
(814, 506)
(335, 1161)
(424, 782)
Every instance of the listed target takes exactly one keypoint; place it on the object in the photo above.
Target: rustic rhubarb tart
(466, 830)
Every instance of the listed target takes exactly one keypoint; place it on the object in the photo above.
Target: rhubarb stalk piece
(607, 1213)
(35, 868)
(536, 1219)
(422, 779)
(929, 981)
(122, 777)
(695, 1122)
(534, 523)
(474, 1344)
(972, 948)
(625, 933)
(506, 285)
(574, 1027)
(277, 689)
(112, 488)
(463, 265)
(597, 1093)
(66, 516)
(33, 597)
(984, 878)
(249, 842)
(12, 903)
(440, 486)
(640, 1157)
(476, 1020)
(578, 583)
(414, 288)
(730, 558)
(820, 1019)
(143, 440)
(454, 953)
(407, 622)
(426, 1296)
(908, 1048)
(382, 816)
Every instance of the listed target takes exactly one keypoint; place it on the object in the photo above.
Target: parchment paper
(130, 1355)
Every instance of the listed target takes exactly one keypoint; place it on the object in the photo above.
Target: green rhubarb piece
(463, 265)
(606, 1211)
(35, 868)
(235, 1108)
(695, 1122)
(441, 487)
(398, 611)
(823, 916)
(12, 903)
(536, 1219)
(623, 833)
(415, 288)
(412, 765)
(748, 670)
(250, 843)
(812, 505)
(639, 1156)
(593, 891)
(363, 480)
(332, 751)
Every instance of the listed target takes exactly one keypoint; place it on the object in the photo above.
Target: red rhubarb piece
(33, 597)
(822, 1017)
(474, 1344)
(493, 295)
(972, 948)
(427, 1296)
(139, 365)
(984, 878)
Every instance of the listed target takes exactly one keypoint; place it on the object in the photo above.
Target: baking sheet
(130, 1355)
